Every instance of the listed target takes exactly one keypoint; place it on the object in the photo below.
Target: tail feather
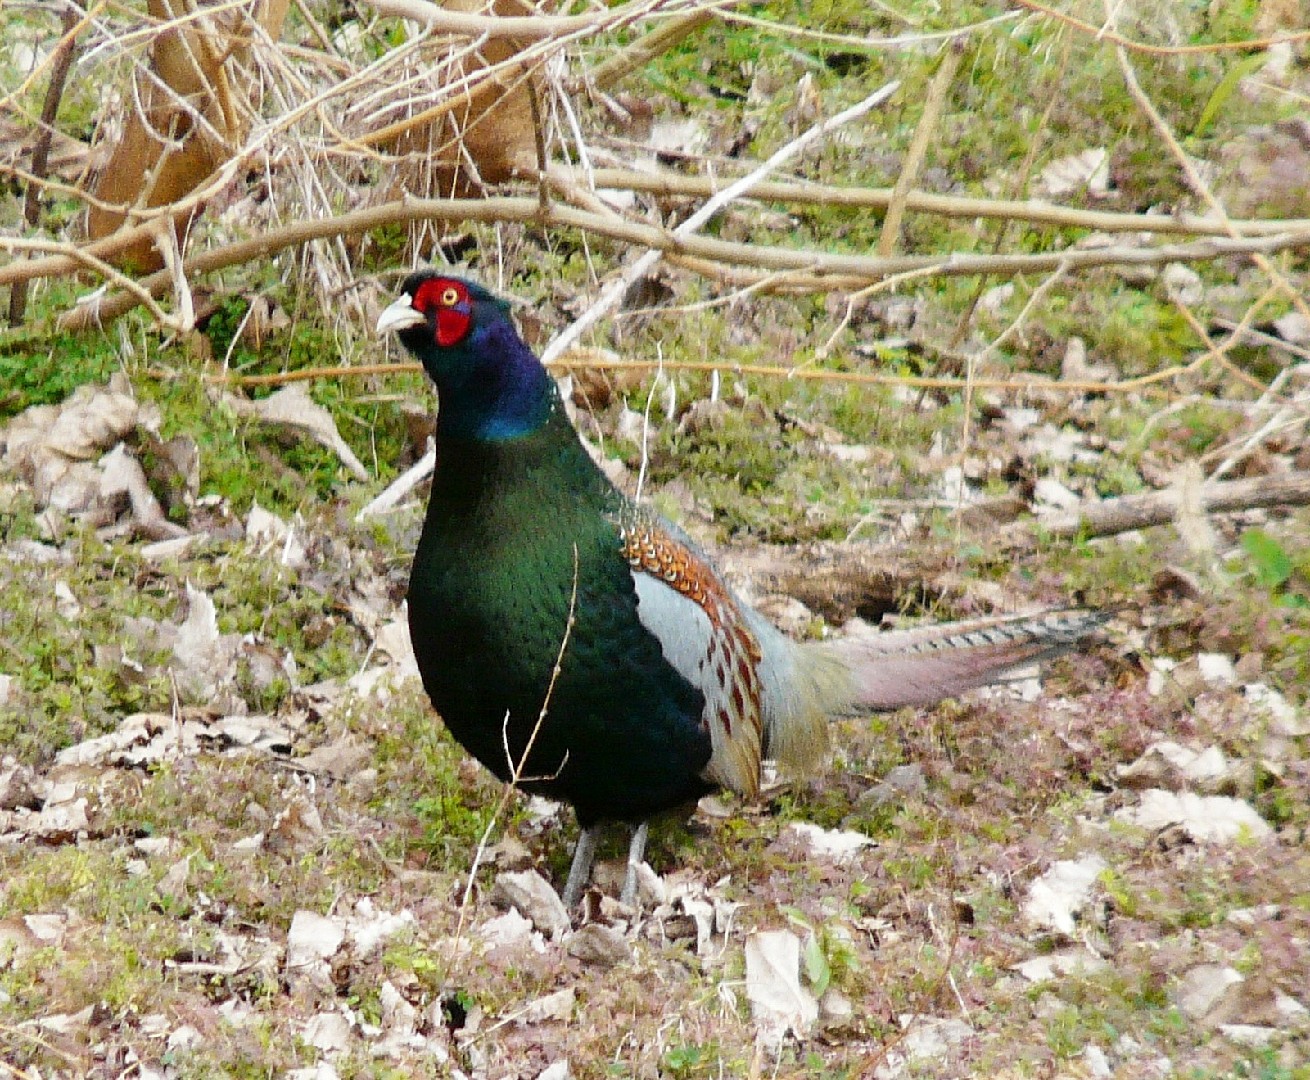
(924, 665)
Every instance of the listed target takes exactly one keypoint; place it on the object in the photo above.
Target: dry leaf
(1086, 171)
(1078, 962)
(1167, 764)
(532, 895)
(293, 407)
(266, 530)
(393, 639)
(839, 845)
(1206, 818)
(1057, 898)
(1209, 991)
(369, 929)
(206, 659)
(779, 1003)
(599, 944)
(53, 447)
(509, 931)
(329, 1032)
(312, 939)
(121, 475)
(552, 1007)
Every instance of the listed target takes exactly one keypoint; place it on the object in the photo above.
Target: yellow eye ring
(450, 297)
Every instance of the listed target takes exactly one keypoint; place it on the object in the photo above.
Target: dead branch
(587, 358)
(186, 122)
(65, 54)
(918, 151)
(643, 50)
(614, 292)
(1127, 512)
(531, 26)
(864, 269)
(1194, 178)
(1106, 33)
(1030, 211)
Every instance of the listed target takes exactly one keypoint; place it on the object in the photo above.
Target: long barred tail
(924, 665)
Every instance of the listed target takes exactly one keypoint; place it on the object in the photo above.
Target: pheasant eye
(450, 297)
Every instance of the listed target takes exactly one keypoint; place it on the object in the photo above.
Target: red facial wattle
(452, 324)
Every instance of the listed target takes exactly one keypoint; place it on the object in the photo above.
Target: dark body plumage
(489, 601)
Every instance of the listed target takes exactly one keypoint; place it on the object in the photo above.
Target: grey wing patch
(704, 636)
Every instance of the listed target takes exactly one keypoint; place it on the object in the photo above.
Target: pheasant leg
(584, 856)
(636, 853)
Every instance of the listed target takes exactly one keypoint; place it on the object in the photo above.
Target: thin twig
(530, 27)
(638, 54)
(1028, 211)
(1125, 513)
(66, 54)
(914, 157)
(1194, 178)
(1102, 33)
(614, 292)
(584, 358)
(516, 770)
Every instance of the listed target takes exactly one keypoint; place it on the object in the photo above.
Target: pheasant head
(490, 384)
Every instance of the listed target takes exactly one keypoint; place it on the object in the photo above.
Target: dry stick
(615, 290)
(888, 284)
(1282, 420)
(511, 208)
(671, 185)
(25, 1033)
(1259, 337)
(1128, 512)
(1104, 33)
(1214, 351)
(683, 233)
(316, 28)
(1232, 451)
(573, 359)
(518, 67)
(59, 187)
(460, 91)
(642, 51)
(914, 157)
(1199, 185)
(66, 52)
(523, 26)
(1031, 211)
(1194, 178)
(1022, 179)
(971, 379)
(125, 238)
(909, 41)
(151, 25)
(54, 56)
(84, 259)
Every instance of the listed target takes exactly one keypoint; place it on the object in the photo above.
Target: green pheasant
(582, 647)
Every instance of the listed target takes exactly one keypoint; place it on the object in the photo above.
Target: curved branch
(529, 210)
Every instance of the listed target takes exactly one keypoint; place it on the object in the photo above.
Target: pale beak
(400, 315)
